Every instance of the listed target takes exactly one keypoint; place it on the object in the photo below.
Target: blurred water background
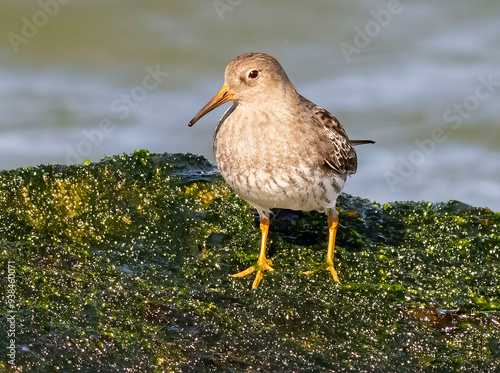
(84, 79)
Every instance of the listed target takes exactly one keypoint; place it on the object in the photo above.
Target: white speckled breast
(271, 169)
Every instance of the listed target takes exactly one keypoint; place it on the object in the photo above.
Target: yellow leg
(333, 223)
(262, 264)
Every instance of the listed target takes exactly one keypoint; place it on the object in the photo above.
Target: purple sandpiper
(277, 149)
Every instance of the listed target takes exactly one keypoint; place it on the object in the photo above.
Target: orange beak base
(220, 98)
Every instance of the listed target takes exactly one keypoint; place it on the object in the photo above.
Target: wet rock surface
(124, 264)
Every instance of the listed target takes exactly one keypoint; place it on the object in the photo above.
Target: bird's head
(250, 78)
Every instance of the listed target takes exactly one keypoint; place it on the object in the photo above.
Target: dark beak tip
(220, 98)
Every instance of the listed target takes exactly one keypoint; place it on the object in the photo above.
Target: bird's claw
(244, 273)
(333, 272)
(260, 267)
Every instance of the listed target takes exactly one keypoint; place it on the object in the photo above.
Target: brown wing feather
(362, 142)
(341, 154)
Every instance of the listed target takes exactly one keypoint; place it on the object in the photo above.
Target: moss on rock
(124, 264)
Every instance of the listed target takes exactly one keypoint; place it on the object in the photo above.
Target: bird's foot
(333, 272)
(260, 267)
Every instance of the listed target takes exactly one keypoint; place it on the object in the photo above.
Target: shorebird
(277, 149)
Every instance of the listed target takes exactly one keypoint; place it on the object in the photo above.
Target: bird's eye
(253, 74)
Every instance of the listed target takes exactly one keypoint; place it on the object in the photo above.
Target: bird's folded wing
(341, 156)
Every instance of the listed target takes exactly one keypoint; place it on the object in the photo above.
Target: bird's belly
(270, 170)
(295, 189)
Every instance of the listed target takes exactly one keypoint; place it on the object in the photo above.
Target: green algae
(124, 264)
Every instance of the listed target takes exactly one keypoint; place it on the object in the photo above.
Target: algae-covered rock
(124, 264)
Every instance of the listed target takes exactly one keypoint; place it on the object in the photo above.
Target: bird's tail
(362, 142)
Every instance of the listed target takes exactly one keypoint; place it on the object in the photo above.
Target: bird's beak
(220, 98)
